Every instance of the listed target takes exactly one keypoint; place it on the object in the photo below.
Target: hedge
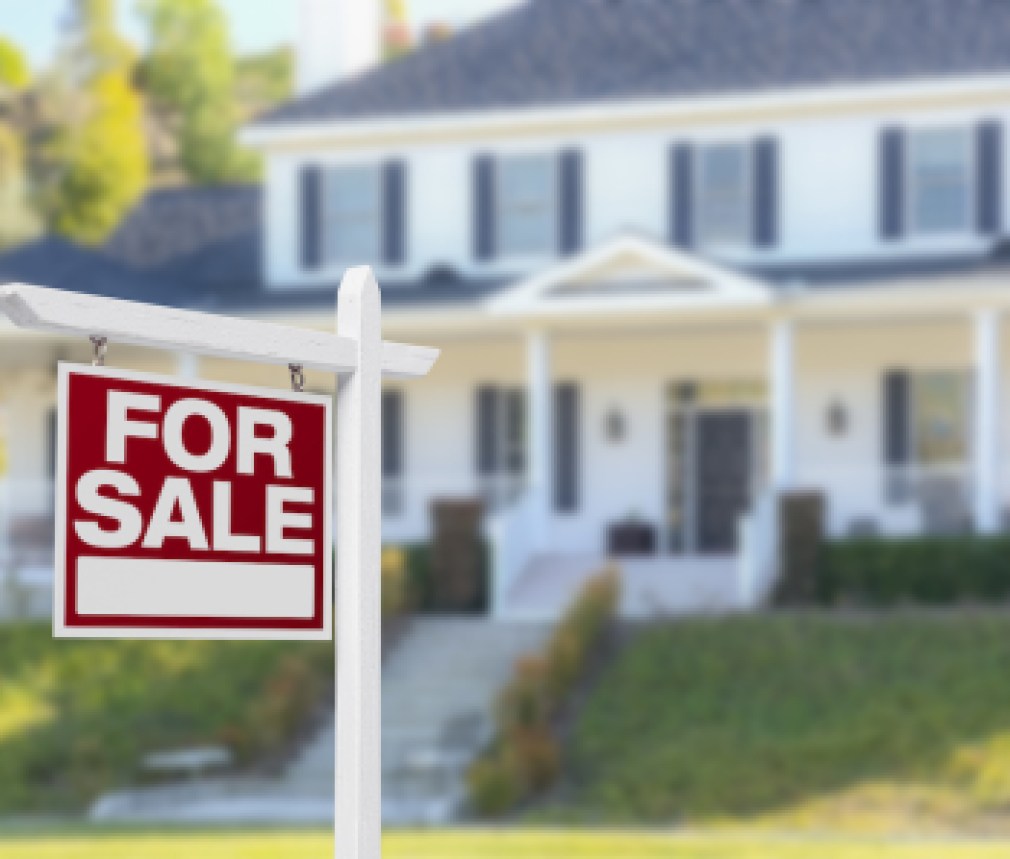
(525, 758)
(927, 571)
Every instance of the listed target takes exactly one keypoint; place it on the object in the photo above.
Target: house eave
(926, 91)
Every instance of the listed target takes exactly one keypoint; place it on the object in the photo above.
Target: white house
(681, 256)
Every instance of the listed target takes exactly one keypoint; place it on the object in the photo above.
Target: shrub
(495, 783)
(395, 587)
(537, 755)
(525, 701)
(928, 571)
(526, 758)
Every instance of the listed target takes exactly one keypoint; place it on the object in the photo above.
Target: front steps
(439, 687)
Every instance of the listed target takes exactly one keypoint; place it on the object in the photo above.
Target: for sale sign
(191, 510)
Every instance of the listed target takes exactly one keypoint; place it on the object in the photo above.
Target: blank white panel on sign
(163, 588)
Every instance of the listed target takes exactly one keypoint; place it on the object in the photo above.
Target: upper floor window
(527, 205)
(939, 180)
(724, 195)
(351, 210)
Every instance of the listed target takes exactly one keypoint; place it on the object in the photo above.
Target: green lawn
(521, 845)
(883, 723)
(77, 716)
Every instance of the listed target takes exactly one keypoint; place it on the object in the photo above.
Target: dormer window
(351, 214)
(527, 205)
(939, 180)
(724, 184)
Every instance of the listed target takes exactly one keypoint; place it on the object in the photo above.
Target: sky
(255, 24)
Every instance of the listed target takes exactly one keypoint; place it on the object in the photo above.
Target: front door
(722, 477)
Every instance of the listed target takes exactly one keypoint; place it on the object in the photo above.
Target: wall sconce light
(837, 418)
(614, 426)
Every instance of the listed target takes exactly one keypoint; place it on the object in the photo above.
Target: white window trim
(911, 186)
(330, 259)
(745, 242)
(554, 203)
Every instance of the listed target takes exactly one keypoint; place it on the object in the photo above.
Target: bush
(927, 571)
(495, 783)
(525, 758)
(418, 580)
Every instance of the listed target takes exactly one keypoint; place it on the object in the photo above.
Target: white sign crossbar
(200, 333)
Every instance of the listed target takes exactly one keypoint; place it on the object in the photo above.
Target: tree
(97, 159)
(104, 163)
(18, 221)
(190, 72)
(14, 73)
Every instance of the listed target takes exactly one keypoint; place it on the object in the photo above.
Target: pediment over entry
(629, 270)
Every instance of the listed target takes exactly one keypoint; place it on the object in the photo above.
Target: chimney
(336, 39)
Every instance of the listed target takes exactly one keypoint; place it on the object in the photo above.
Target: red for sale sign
(191, 510)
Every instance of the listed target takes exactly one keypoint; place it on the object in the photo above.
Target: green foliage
(818, 720)
(95, 164)
(14, 71)
(190, 71)
(263, 80)
(18, 221)
(420, 579)
(526, 757)
(103, 163)
(928, 571)
(76, 717)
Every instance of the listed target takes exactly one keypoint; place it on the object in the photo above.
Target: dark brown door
(723, 477)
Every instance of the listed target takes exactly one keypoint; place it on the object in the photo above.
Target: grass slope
(77, 716)
(487, 845)
(892, 722)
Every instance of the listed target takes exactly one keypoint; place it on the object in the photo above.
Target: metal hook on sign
(99, 348)
(297, 377)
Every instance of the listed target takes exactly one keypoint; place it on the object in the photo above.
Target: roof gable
(629, 272)
(561, 52)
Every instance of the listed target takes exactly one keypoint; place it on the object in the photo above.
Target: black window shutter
(483, 208)
(310, 220)
(892, 183)
(392, 433)
(681, 194)
(989, 162)
(486, 430)
(394, 212)
(570, 210)
(567, 446)
(896, 427)
(766, 192)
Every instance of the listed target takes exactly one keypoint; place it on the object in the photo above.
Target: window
(724, 195)
(527, 201)
(939, 180)
(392, 452)
(939, 418)
(351, 210)
(501, 442)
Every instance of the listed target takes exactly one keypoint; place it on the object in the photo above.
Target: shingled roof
(563, 52)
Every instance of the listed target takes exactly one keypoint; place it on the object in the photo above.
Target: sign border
(60, 629)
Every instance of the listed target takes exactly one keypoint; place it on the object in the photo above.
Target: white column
(187, 366)
(538, 370)
(358, 618)
(781, 396)
(987, 421)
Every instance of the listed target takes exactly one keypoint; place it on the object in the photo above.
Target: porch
(610, 409)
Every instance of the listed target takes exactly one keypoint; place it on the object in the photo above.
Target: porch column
(987, 421)
(781, 384)
(538, 379)
(187, 366)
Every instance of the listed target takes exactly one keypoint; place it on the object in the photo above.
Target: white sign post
(359, 357)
